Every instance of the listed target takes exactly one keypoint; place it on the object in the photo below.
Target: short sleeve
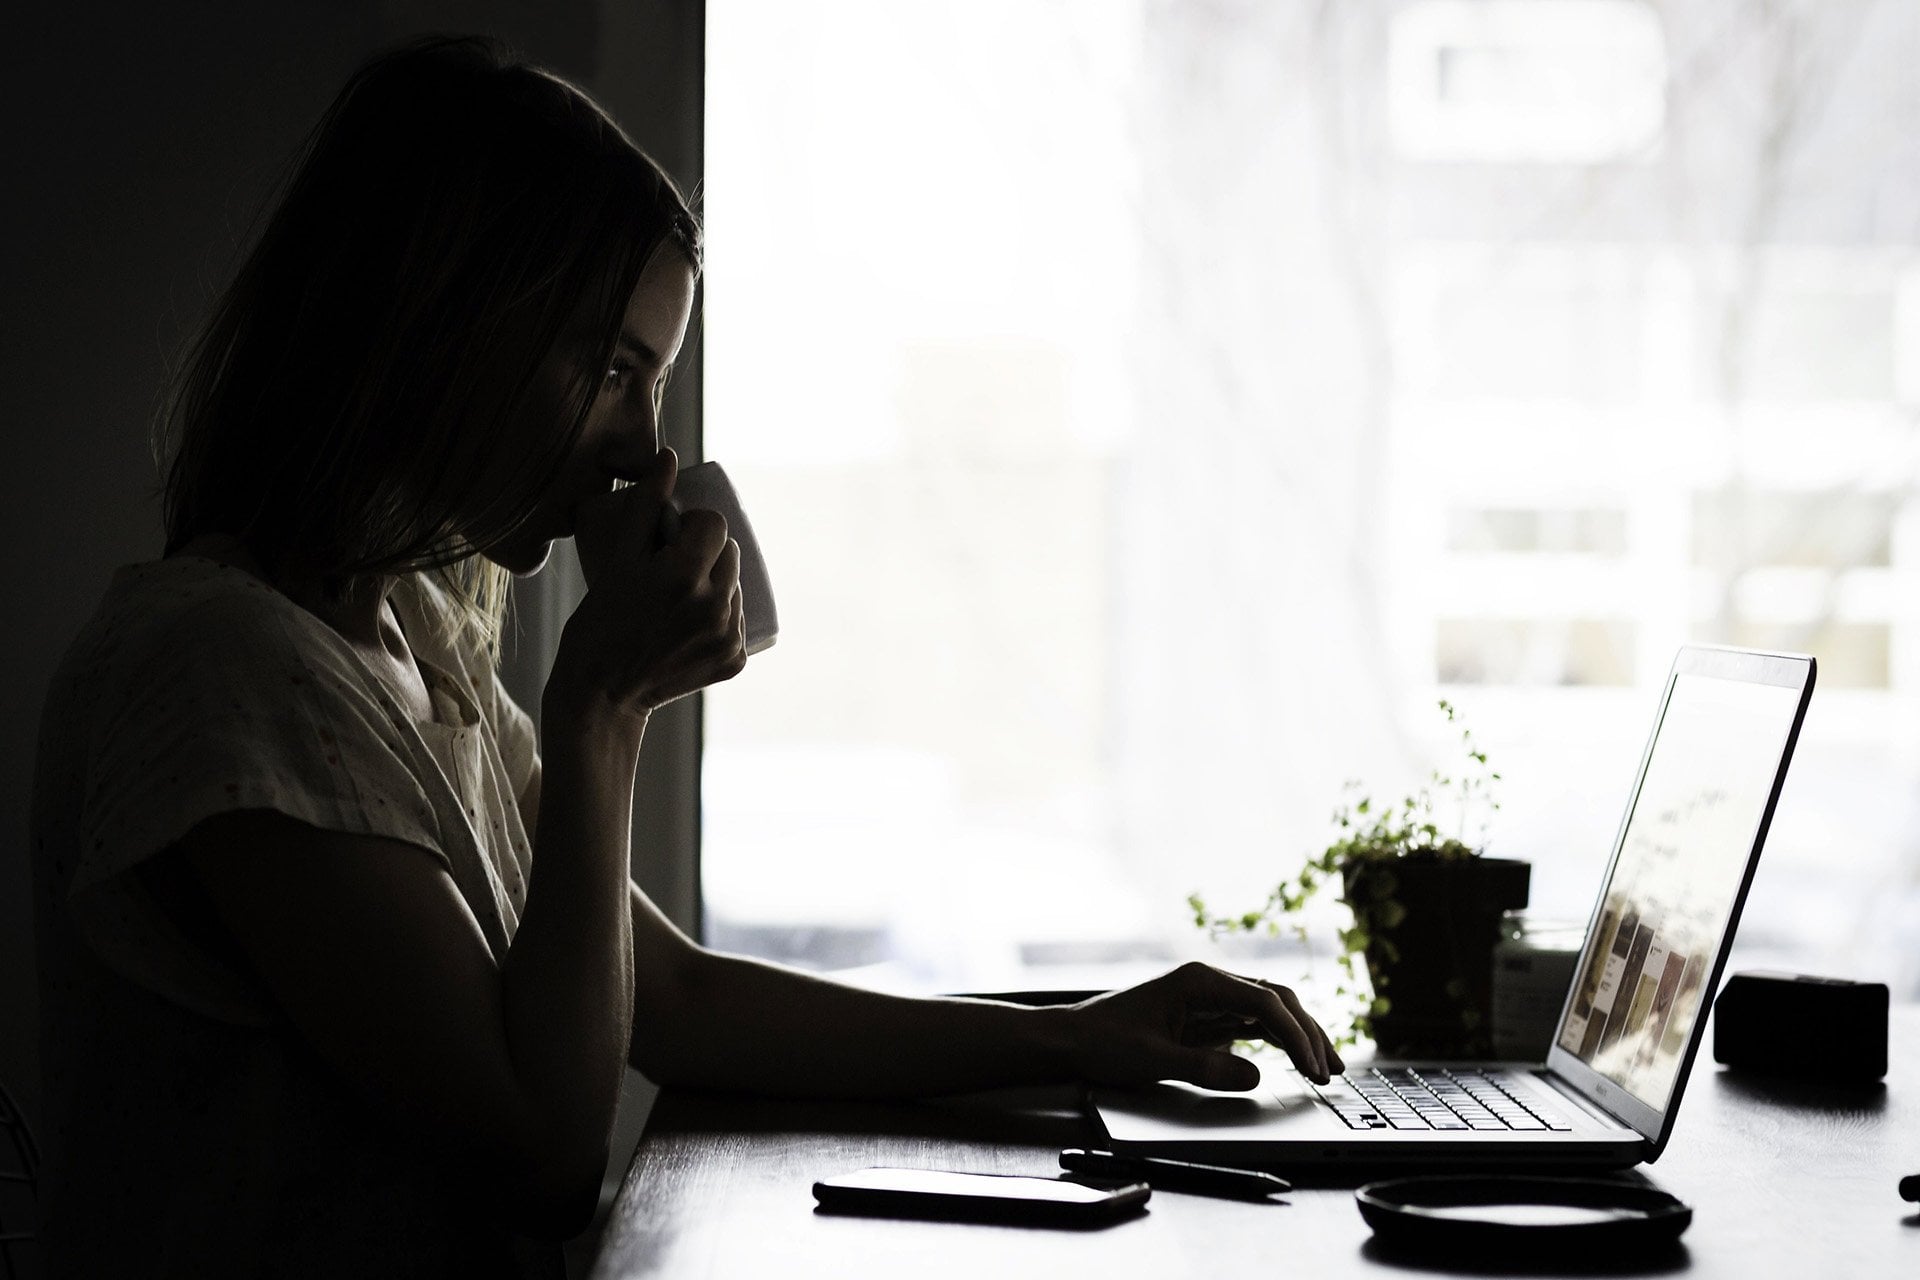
(230, 708)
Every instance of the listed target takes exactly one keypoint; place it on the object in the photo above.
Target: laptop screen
(1682, 859)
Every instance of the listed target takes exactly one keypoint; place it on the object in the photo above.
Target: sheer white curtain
(1150, 409)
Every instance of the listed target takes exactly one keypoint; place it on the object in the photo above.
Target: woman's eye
(618, 375)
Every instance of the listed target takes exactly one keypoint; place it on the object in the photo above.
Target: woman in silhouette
(340, 976)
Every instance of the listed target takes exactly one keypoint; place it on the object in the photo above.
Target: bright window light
(1144, 431)
(1514, 81)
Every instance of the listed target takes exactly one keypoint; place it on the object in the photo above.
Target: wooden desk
(1785, 1181)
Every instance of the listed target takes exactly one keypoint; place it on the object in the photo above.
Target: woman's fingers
(1225, 992)
(622, 527)
(725, 574)
(702, 541)
(1214, 1030)
(713, 644)
(1328, 1057)
(1284, 1022)
(1179, 1027)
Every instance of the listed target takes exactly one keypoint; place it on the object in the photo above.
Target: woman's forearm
(568, 977)
(737, 1023)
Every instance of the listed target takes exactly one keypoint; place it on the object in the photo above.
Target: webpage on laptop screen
(1673, 887)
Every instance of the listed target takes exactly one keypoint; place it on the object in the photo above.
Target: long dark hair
(374, 393)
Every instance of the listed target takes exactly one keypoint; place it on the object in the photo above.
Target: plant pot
(1433, 961)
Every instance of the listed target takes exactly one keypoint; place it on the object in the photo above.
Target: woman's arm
(703, 1017)
(710, 1020)
(706, 1018)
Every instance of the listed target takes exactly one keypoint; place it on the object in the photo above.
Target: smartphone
(978, 1197)
(705, 485)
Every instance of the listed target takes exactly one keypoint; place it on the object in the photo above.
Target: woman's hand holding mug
(661, 619)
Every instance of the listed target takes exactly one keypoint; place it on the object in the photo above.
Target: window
(1509, 81)
(1580, 532)
(1150, 410)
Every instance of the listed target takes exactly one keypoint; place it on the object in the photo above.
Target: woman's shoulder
(187, 619)
(181, 600)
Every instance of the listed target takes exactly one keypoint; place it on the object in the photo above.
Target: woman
(340, 976)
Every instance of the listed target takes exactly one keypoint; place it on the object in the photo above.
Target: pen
(1175, 1175)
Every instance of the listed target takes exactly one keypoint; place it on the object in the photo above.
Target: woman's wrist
(1057, 1035)
(590, 714)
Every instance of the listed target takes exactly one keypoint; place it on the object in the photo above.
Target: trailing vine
(1368, 838)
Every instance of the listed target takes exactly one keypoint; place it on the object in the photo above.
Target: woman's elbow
(653, 1057)
(559, 1199)
(667, 1036)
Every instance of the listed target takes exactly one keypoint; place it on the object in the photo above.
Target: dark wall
(140, 141)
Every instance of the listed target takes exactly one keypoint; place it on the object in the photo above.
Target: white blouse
(190, 1130)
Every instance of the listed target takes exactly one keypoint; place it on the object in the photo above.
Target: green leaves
(1199, 909)
(1367, 841)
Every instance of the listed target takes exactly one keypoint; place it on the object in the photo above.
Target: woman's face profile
(622, 432)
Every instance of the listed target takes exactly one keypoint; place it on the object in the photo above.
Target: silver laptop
(1659, 936)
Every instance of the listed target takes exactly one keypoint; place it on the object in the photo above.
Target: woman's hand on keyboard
(1178, 1027)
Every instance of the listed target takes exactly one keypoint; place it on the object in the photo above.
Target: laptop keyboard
(1435, 1098)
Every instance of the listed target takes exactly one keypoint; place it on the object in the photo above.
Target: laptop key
(1408, 1122)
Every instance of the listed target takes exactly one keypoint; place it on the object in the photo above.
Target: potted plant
(1425, 909)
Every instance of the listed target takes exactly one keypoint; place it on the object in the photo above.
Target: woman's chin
(523, 560)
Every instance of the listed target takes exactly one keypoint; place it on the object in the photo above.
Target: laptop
(1607, 1095)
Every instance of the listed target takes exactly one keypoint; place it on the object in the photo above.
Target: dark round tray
(1512, 1214)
